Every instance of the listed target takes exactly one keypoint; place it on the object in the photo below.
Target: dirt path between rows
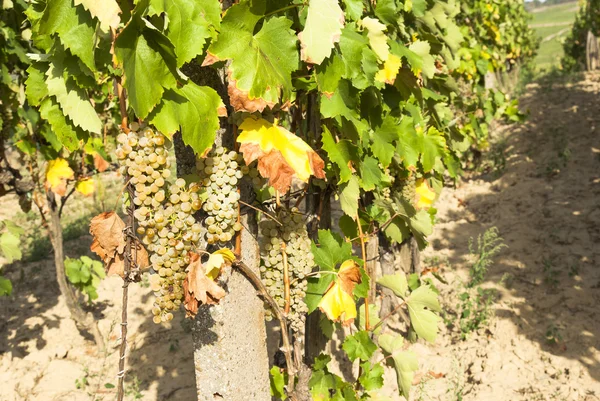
(542, 344)
(544, 341)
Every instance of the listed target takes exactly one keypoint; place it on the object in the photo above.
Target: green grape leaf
(13, 228)
(432, 146)
(387, 11)
(191, 24)
(418, 7)
(74, 27)
(107, 12)
(397, 230)
(320, 383)
(360, 60)
(370, 174)
(423, 49)
(261, 63)
(327, 326)
(277, 383)
(332, 250)
(193, 108)
(74, 271)
(329, 74)
(424, 321)
(359, 346)
(349, 194)
(348, 226)
(408, 145)
(147, 57)
(36, 89)
(73, 100)
(405, 362)
(395, 282)
(342, 153)
(5, 287)
(372, 376)
(382, 141)
(67, 134)
(322, 30)
(10, 246)
(421, 224)
(354, 9)
(373, 318)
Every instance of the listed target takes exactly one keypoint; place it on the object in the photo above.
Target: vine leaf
(359, 346)
(383, 139)
(198, 287)
(372, 376)
(216, 261)
(11, 250)
(370, 174)
(322, 30)
(405, 362)
(395, 282)
(100, 163)
(388, 72)
(281, 155)
(106, 11)
(57, 174)
(424, 321)
(191, 23)
(73, 100)
(349, 194)
(196, 109)
(147, 57)
(431, 145)
(377, 38)
(342, 153)
(86, 187)
(277, 380)
(67, 134)
(36, 89)
(74, 27)
(261, 63)
(109, 243)
(338, 302)
(425, 195)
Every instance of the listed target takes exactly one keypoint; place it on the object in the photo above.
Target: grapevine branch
(364, 257)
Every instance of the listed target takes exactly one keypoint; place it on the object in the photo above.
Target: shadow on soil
(547, 207)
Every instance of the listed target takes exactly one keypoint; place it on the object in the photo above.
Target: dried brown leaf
(200, 285)
(100, 164)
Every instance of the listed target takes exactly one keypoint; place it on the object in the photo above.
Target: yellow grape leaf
(425, 195)
(57, 174)
(377, 38)
(86, 187)
(281, 155)
(216, 261)
(107, 12)
(389, 70)
(338, 302)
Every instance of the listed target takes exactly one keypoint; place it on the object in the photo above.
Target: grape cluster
(220, 173)
(289, 237)
(400, 184)
(164, 214)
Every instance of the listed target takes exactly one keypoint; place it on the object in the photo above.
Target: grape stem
(364, 257)
(261, 211)
(287, 349)
(313, 274)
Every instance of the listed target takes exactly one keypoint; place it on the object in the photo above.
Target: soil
(541, 342)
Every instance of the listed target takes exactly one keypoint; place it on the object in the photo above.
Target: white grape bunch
(289, 237)
(220, 173)
(164, 214)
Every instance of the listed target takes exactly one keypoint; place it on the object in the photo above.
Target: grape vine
(378, 107)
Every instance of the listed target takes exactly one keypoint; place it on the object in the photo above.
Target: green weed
(489, 244)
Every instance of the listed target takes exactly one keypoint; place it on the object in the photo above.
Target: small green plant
(489, 244)
(475, 310)
(553, 335)
(10, 249)
(574, 269)
(550, 271)
(133, 389)
(83, 381)
(85, 274)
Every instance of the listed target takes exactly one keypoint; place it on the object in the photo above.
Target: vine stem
(129, 234)
(287, 348)
(401, 304)
(364, 257)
